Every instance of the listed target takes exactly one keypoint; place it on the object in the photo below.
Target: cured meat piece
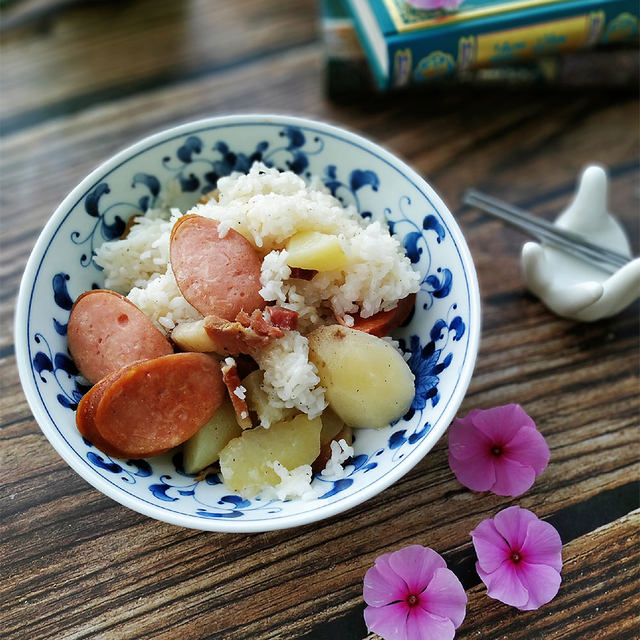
(234, 338)
(217, 335)
(152, 406)
(383, 323)
(259, 324)
(285, 319)
(237, 393)
(218, 276)
(106, 332)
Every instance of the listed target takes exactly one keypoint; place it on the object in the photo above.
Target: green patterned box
(405, 45)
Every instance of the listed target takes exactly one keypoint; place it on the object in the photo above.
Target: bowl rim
(48, 426)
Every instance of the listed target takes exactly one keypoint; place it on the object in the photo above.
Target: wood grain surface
(81, 80)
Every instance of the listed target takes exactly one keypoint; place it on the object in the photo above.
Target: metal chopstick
(567, 241)
(482, 198)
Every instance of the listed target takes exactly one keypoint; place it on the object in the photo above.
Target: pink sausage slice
(218, 276)
(106, 331)
(152, 406)
(86, 413)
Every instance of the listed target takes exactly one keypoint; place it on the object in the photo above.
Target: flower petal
(478, 473)
(491, 547)
(528, 447)
(500, 424)
(415, 565)
(530, 579)
(504, 584)
(512, 478)
(542, 545)
(465, 440)
(422, 625)
(382, 585)
(542, 583)
(512, 524)
(390, 622)
(445, 597)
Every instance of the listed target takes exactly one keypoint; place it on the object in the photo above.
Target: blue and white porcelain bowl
(442, 335)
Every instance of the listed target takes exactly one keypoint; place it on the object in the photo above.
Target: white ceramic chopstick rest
(570, 287)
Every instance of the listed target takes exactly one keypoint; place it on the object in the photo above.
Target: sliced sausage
(217, 276)
(383, 323)
(86, 413)
(106, 332)
(155, 405)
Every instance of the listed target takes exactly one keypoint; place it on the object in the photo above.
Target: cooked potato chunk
(247, 462)
(332, 425)
(203, 448)
(192, 336)
(315, 250)
(367, 382)
(258, 401)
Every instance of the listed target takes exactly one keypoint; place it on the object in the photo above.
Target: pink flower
(413, 596)
(498, 450)
(519, 558)
(435, 4)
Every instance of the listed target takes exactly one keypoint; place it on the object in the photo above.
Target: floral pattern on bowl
(177, 166)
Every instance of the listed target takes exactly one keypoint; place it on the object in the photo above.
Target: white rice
(290, 294)
(290, 380)
(378, 275)
(340, 453)
(162, 301)
(293, 484)
(268, 206)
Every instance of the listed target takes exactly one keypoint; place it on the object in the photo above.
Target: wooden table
(82, 80)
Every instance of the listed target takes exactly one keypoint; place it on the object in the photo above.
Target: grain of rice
(340, 453)
(294, 484)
